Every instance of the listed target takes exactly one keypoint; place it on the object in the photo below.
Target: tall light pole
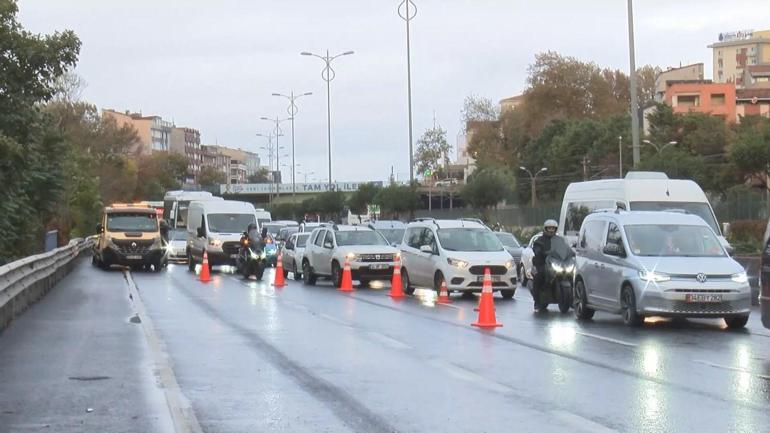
(328, 75)
(407, 16)
(278, 133)
(533, 178)
(620, 158)
(292, 110)
(632, 73)
(270, 153)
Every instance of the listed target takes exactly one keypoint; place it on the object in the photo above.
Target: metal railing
(26, 280)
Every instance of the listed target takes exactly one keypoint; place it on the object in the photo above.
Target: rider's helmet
(549, 227)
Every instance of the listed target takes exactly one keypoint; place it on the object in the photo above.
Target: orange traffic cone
(487, 317)
(278, 281)
(396, 286)
(205, 275)
(346, 285)
(443, 295)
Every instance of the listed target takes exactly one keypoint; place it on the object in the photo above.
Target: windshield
(559, 249)
(468, 239)
(229, 222)
(360, 237)
(132, 222)
(394, 236)
(508, 240)
(673, 241)
(263, 220)
(273, 229)
(701, 209)
(286, 232)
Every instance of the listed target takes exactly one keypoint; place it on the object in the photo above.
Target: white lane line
(469, 376)
(450, 306)
(389, 341)
(728, 367)
(607, 339)
(579, 423)
(335, 320)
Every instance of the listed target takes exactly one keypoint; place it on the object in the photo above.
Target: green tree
(261, 176)
(330, 204)
(750, 154)
(396, 199)
(487, 187)
(159, 172)
(432, 153)
(479, 109)
(209, 176)
(362, 197)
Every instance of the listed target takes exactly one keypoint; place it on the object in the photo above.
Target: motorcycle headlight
(461, 264)
(569, 266)
(509, 264)
(557, 267)
(651, 276)
(740, 277)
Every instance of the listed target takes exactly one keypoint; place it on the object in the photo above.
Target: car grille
(494, 284)
(368, 258)
(231, 247)
(493, 270)
(129, 246)
(703, 308)
(693, 277)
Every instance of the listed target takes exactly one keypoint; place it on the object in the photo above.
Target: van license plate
(379, 266)
(134, 257)
(702, 298)
(233, 256)
(495, 278)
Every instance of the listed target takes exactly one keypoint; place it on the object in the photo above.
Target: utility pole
(620, 152)
(533, 179)
(632, 73)
(408, 16)
(585, 163)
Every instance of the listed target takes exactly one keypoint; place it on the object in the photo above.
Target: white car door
(324, 263)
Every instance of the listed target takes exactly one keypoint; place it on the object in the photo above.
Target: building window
(718, 99)
(688, 100)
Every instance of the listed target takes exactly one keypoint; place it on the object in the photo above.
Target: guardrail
(26, 280)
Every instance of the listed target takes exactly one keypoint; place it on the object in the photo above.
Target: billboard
(285, 188)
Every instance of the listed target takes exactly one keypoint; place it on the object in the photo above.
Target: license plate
(134, 257)
(233, 256)
(702, 298)
(495, 278)
(379, 266)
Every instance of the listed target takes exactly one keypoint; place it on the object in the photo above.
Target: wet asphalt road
(251, 358)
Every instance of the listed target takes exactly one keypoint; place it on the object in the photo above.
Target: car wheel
(736, 322)
(157, 266)
(508, 293)
(336, 275)
(190, 262)
(407, 285)
(628, 307)
(363, 283)
(297, 273)
(285, 273)
(582, 312)
(437, 281)
(307, 275)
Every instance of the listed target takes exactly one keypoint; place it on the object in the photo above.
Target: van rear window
(701, 209)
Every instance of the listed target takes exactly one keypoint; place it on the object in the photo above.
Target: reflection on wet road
(251, 357)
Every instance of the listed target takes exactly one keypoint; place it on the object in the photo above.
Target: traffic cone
(396, 286)
(443, 295)
(205, 275)
(346, 285)
(279, 281)
(487, 317)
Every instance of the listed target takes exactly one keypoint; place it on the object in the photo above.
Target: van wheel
(307, 275)
(508, 293)
(190, 262)
(407, 285)
(628, 307)
(582, 312)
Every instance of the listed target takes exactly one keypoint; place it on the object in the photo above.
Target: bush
(746, 236)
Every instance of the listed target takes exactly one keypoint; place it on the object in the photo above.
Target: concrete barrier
(26, 280)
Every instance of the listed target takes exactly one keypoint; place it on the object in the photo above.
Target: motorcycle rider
(540, 248)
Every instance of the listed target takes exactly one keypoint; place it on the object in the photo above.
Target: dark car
(513, 246)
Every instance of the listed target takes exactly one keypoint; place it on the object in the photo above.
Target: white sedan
(526, 259)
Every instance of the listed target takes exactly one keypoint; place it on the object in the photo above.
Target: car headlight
(215, 242)
(652, 276)
(461, 264)
(509, 264)
(740, 277)
(352, 257)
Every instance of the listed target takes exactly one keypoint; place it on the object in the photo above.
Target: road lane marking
(580, 423)
(731, 368)
(388, 341)
(180, 407)
(607, 339)
(469, 376)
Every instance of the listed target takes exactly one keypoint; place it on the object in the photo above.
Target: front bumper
(115, 257)
(669, 299)
(372, 271)
(462, 280)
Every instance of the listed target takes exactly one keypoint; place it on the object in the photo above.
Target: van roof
(637, 190)
(650, 217)
(129, 208)
(224, 206)
(449, 224)
(387, 224)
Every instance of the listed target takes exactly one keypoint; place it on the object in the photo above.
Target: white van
(216, 226)
(639, 191)
(263, 216)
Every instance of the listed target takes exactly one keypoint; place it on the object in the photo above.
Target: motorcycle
(251, 257)
(559, 275)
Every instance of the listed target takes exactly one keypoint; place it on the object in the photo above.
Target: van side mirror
(614, 250)
(99, 228)
(201, 232)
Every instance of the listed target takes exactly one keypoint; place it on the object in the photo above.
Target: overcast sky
(213, 65)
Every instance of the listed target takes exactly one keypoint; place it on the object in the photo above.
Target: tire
(437, 280)
(336, 275)
(307, 275)
(565, 299)
(190, 262)
(631, 317)
(364, 283)
(285, 274)
(408, 288)
(582, 312)
(297, 273)
(736, 322)
(157, 266)
(94, 262)
(508, 293)
(259, 273)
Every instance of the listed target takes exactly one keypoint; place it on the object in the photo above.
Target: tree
(362, 197)
(432, 153)
(261, 176)
(750, 154)
(487, 187)
(159, 172)
(645, 83)
(330, 204)
(479, 109)
(210, 176)
(395, 199)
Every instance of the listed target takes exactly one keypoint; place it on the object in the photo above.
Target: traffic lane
(76, 362)
(390, 385)
(329, 304)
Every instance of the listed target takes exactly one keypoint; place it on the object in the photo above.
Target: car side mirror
(613, 250)
(201, 232)
(328, 245)
(99, 228)
(426, 249)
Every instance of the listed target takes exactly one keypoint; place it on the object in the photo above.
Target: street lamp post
(533, 179)
(620, 152)
(327, 74)
(632, 74)
(660, 149)
(270, 154)
(407, 16)
(278, 148)
(292, 110)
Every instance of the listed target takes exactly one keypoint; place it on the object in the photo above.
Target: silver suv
(455, 251)
(370, 255)
(657, 264)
